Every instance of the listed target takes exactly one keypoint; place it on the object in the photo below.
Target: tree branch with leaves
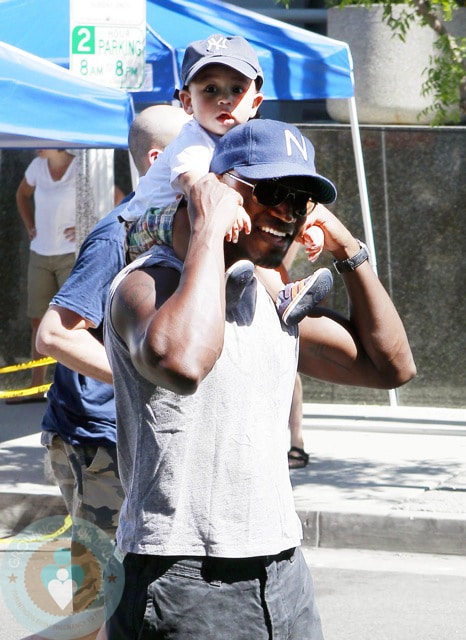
(445, 73)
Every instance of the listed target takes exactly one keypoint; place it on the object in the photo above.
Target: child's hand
(312, 237)
(242, 223)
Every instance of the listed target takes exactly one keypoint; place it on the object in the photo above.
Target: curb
(410, 532)
(404, 532)
(385, 419)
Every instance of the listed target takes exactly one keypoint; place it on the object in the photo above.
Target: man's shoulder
(101, 256)
(109, 223)
(159, 257)
(107, 231)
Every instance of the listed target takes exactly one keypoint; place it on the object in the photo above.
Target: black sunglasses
(270, 193)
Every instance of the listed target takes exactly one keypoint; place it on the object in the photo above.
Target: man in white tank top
(208, 534)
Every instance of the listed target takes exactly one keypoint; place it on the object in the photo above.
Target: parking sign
(108, 41)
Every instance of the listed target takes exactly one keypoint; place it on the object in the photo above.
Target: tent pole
(133, 171)
(366, 214)
(363, 195)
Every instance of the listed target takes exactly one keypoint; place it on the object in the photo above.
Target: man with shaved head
(79, 427)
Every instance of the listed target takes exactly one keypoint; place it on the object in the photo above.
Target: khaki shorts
(46, 274)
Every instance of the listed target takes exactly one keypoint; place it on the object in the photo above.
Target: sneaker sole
(244, 270)
(314, 292)
(234, 289)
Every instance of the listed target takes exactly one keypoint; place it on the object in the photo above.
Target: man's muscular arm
(174, 324)
(370, 348)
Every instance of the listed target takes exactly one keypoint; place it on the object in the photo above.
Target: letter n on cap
(290, 138)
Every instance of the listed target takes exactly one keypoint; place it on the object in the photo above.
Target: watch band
(350, 264)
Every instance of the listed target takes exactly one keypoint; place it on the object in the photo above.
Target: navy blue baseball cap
(261, 149)
(233, 51)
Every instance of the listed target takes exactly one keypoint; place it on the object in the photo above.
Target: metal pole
(361, 174)
(366, 214)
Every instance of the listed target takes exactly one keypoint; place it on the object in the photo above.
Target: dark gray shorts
(216, 599)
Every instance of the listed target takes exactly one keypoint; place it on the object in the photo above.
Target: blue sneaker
(297, 299)
(237, 278)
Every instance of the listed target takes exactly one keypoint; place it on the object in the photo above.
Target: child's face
(220, 98)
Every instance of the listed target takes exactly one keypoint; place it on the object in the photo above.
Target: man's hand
(212, 201)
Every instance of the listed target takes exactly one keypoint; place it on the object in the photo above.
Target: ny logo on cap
(291, 138)
(216, 43)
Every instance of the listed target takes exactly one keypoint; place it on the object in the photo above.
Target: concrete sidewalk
(391, 479)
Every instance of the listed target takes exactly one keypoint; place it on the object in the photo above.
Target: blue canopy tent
(43, 105)
(298, 64)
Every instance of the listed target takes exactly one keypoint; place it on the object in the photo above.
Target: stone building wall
(417, 194)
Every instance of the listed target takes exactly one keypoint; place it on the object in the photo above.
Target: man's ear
(185, 99)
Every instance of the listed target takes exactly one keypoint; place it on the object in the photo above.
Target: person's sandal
(297, 458)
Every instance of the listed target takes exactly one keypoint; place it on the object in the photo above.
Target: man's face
(273, 228)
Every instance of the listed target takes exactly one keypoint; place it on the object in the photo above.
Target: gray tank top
(207, 474)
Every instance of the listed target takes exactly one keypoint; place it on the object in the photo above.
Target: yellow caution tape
(29, 391)
(49, 536)
(42, 362)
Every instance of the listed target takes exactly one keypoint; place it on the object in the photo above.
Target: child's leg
(272, 279)
(154, 226)
(290, 257)
(298, 299)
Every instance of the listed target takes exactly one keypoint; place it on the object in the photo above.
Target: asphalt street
(370, 595)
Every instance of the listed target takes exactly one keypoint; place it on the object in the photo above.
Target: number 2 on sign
(83, 40)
